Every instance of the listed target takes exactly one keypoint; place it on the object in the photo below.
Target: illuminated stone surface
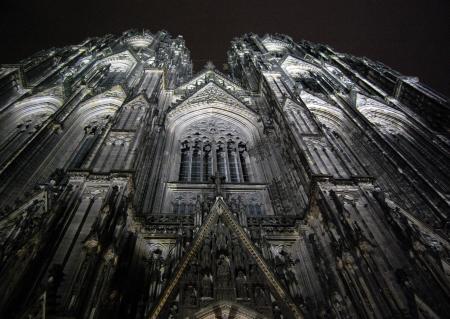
(304, 183)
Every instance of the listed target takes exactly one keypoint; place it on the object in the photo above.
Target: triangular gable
(210, 95)
(206, 76)
(221, 211)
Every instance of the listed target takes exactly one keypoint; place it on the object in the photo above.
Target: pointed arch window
(196, 163)
(221, 159)
(243, 157)
(184, 165)
(202, 157)
(207, 163)
(232, 160)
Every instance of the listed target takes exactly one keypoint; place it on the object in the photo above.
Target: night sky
(411, 36)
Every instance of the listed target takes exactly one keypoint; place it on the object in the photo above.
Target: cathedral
(300, 182)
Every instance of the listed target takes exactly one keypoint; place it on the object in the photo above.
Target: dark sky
(411, 36)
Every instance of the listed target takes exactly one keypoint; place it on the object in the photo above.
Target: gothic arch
(139, 41)
(296, 68)
(25, 118)
(89, 122)
(274, 45)
(330, 117)
(338, 129)
(63, 144)
(120, 67)
(132, 113)
(91, 117)
(123, 61)
(409, 139)
(337, 74)
(203, 153)
(327, 114)
(41, 105)
(214, 118)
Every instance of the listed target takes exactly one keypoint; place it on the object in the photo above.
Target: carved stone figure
(198, 212)
(241, 285)
(238, 256)
(260, 297)
(221, 239)
(207, 286)
(300, 183)
(190, 295)
(223, 272)
(206, 253)
(242, 212)
(156, 263)
(292, 282)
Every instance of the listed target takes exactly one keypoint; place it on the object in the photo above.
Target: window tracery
(213, 146)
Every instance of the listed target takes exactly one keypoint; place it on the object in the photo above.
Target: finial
(209, 65)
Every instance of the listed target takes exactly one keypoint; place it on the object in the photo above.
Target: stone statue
(221, 241)
(223, 272)
(239, 262)
(192, 273)
(241, 285)
(260, 296)
(173, 313)
(206, 253)
(242, 212)
(207, 286)
(198, 214)
(190, 297)
(291, 282)
(277, 312)
(155, 273)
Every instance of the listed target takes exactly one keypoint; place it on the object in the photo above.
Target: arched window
(184, 166)
(213, 148)
(221, 159)
(232, 160)
(243, 157)
(207, 163)
(196, 163)
(21, 122)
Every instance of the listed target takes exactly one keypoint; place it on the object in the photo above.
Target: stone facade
(306, 183)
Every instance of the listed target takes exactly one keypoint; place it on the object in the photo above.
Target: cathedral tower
(306, 183)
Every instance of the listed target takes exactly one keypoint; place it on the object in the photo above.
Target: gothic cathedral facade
(304, 183)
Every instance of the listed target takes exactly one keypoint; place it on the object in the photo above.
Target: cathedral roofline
(205, 71)
(201, 87)
(229, 96)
